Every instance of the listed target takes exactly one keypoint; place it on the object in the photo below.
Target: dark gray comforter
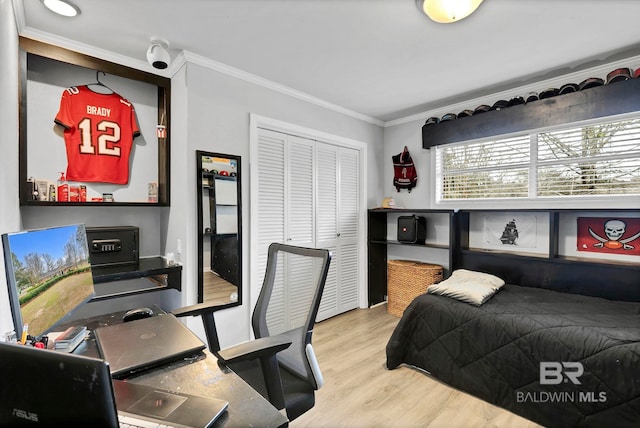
(495, 352)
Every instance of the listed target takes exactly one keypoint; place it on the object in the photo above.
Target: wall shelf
(602, 101)
(550, 269)
(32, 50)
(113, 281)
(377, 244)
(89, 204)
(426, 245)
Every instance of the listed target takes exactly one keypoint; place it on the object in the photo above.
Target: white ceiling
(380, 59)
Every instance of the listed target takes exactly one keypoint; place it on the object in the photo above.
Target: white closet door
(299, 220)
(308, 195)
(271, 211)
(326, 223)
(299, 213)
(285, 212)
(271, 189)
(337, 228)
(348, 221)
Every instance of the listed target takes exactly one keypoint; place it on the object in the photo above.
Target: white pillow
(480, 276)
(468, 286)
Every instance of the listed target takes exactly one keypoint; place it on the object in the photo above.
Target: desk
(106, 277)
(203, 376)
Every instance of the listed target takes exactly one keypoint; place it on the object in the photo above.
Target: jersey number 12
(108, 136)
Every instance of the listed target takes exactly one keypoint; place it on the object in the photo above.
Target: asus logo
(23, 414)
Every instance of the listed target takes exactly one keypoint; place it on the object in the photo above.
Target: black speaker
(412, 229)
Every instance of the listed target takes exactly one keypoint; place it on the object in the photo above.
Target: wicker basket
(406, 280)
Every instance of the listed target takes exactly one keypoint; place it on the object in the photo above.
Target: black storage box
(115, 245)
(412, 229)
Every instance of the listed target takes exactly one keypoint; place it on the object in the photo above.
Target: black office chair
(280, 362)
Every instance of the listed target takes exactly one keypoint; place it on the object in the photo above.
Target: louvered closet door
(299, 215)
(348, 216)
(285, 212)
(338, 199)
(309, 195)
(271, 210)
(327, 223)
(299, 219)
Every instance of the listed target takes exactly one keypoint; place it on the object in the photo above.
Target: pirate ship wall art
(510, 233)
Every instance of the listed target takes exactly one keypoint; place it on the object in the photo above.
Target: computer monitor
(48, 276)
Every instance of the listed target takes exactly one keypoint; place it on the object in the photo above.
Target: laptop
(47, 388)
(140, 345)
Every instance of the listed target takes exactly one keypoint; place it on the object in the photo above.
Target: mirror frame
(200, 227)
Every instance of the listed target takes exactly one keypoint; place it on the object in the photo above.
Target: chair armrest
(205, 311)
(264, 349)
(264, 346)
(200, 308)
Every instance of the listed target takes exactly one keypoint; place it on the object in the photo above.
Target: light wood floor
(360, 392)
(216, 289)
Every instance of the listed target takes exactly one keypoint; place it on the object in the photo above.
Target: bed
(556, 358)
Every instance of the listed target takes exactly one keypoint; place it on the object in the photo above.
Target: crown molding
(85, 49)
(73, 45)
(18, 13)
(181, 59)
(184, 57)
(257, 80)
(556, 82)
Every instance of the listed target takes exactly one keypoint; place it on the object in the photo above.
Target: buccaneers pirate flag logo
(609, 235)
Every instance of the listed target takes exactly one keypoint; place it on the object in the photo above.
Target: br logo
(554, 373)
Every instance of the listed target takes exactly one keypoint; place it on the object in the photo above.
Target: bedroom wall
(210, 111)
(46, 156)
(408, 132)
(9, 211)
(47, 79)
(13, 217)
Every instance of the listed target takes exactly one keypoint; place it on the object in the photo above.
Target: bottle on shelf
(32, 189)
(63, 188)
(74, 192)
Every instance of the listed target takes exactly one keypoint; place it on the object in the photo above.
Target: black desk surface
(198, 375)
(146, 266)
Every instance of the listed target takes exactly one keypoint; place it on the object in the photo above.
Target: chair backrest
(288, 304)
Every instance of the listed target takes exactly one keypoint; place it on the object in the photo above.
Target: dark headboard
(608, 280)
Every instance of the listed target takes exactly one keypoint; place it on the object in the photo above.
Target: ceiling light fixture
(447, 11)
(61, 7)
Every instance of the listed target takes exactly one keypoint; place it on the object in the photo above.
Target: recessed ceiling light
(61, 7)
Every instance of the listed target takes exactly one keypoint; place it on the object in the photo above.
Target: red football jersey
(98, 133)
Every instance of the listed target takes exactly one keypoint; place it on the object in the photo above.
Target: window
(601, 159)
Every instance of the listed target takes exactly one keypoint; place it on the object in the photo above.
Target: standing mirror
(219, 228)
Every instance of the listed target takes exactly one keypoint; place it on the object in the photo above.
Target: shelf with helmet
(594, 98)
